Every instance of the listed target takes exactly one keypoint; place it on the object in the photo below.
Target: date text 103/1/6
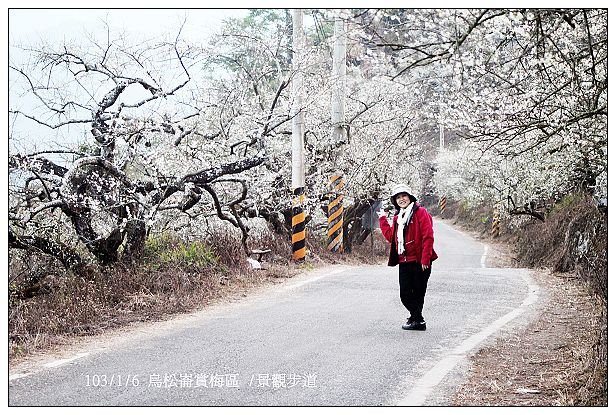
(112, 380)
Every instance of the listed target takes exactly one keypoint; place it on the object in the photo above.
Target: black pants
(413, 284)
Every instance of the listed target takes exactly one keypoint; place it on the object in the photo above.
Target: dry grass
(572, 239)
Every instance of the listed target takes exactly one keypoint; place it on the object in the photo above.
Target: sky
(71, 24)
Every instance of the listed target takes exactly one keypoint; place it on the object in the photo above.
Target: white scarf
(403, 217)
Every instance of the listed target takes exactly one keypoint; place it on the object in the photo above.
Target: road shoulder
(543, 363)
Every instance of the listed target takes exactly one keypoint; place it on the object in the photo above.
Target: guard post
(442, 204)
(335, 214)
(298, 222)
(496, 221)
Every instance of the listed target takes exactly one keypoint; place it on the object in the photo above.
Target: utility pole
(442, 203)
(339, 76)
(298, 237)
(441, 127)
(335, 210)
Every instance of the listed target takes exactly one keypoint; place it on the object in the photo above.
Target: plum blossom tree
(537, 100)
(526, 87)
(376, 119)
(148, 149)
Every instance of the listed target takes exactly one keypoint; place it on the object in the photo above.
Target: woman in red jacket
(412, 239)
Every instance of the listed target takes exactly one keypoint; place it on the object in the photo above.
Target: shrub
(195, 254)
(572, 239)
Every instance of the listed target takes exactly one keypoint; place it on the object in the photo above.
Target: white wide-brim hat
(401, 188)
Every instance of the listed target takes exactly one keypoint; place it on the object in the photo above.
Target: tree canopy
(174, 134)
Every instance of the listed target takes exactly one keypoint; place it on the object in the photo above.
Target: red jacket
(419, 239)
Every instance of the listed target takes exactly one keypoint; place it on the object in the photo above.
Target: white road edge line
(64, 361)
(55, 363)
(81, 355)
(19, 375)
(318, 277)
(425, 385)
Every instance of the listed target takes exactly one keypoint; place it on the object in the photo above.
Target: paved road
(330, 337)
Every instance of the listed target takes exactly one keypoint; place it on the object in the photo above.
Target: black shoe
(414, 325)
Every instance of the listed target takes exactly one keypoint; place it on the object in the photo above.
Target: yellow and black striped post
(298, 237)
(335, 214)
(442, 204)
(496, 221)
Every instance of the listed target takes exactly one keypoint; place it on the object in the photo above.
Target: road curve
(329, 337)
